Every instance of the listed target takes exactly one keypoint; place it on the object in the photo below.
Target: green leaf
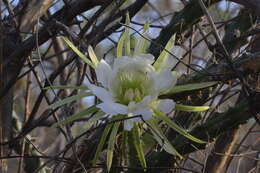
(189, 87)
(176, 127)
(93, 56)
(80, 54)
(187, 108)
(138, 145)
(163, 58)
(69, 99)
(162, 139)
(66, 87)
(111, 145)
(101, 143)
(124, 40)
(87, 111)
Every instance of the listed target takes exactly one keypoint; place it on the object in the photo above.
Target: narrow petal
(164, 81)
(166, 105)
(113, 108)
(104, 73)
(101, 93)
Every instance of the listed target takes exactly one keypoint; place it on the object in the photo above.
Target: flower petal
(166, 105)
(121, 62)
(113, 108)
(139, 62)
(169, 63)
(145, 113)
(149, 99)
(165, 80)
(146, 58)
(145, 102)
(104, 73)
(132, 106)
(128, 124)
(101, 93)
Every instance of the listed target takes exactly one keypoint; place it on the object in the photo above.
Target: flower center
(131, 84)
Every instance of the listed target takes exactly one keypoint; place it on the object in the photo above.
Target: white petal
(169, 63)
(121, 62)
(143, 62)
(146, 100)
(128, 124)
(113, 108)
(132, 106)
(104, 73)
(101, 93)
(146, 58)
(164, 81)
(166, 105)
(136, 63)
(141, 107)
(145, 113)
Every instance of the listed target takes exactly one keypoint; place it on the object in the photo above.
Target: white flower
(131, 87)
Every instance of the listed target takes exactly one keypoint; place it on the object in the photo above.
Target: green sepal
(162, 139)
(138, 145)
(111, 145)
(69, 99)
(124, 40)
(93, 56)
(190, 87)
(187, 108)
(76, 116)
(101, 143)
(163, 57)
(175, 127)
(66, 87)
(77, 51)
